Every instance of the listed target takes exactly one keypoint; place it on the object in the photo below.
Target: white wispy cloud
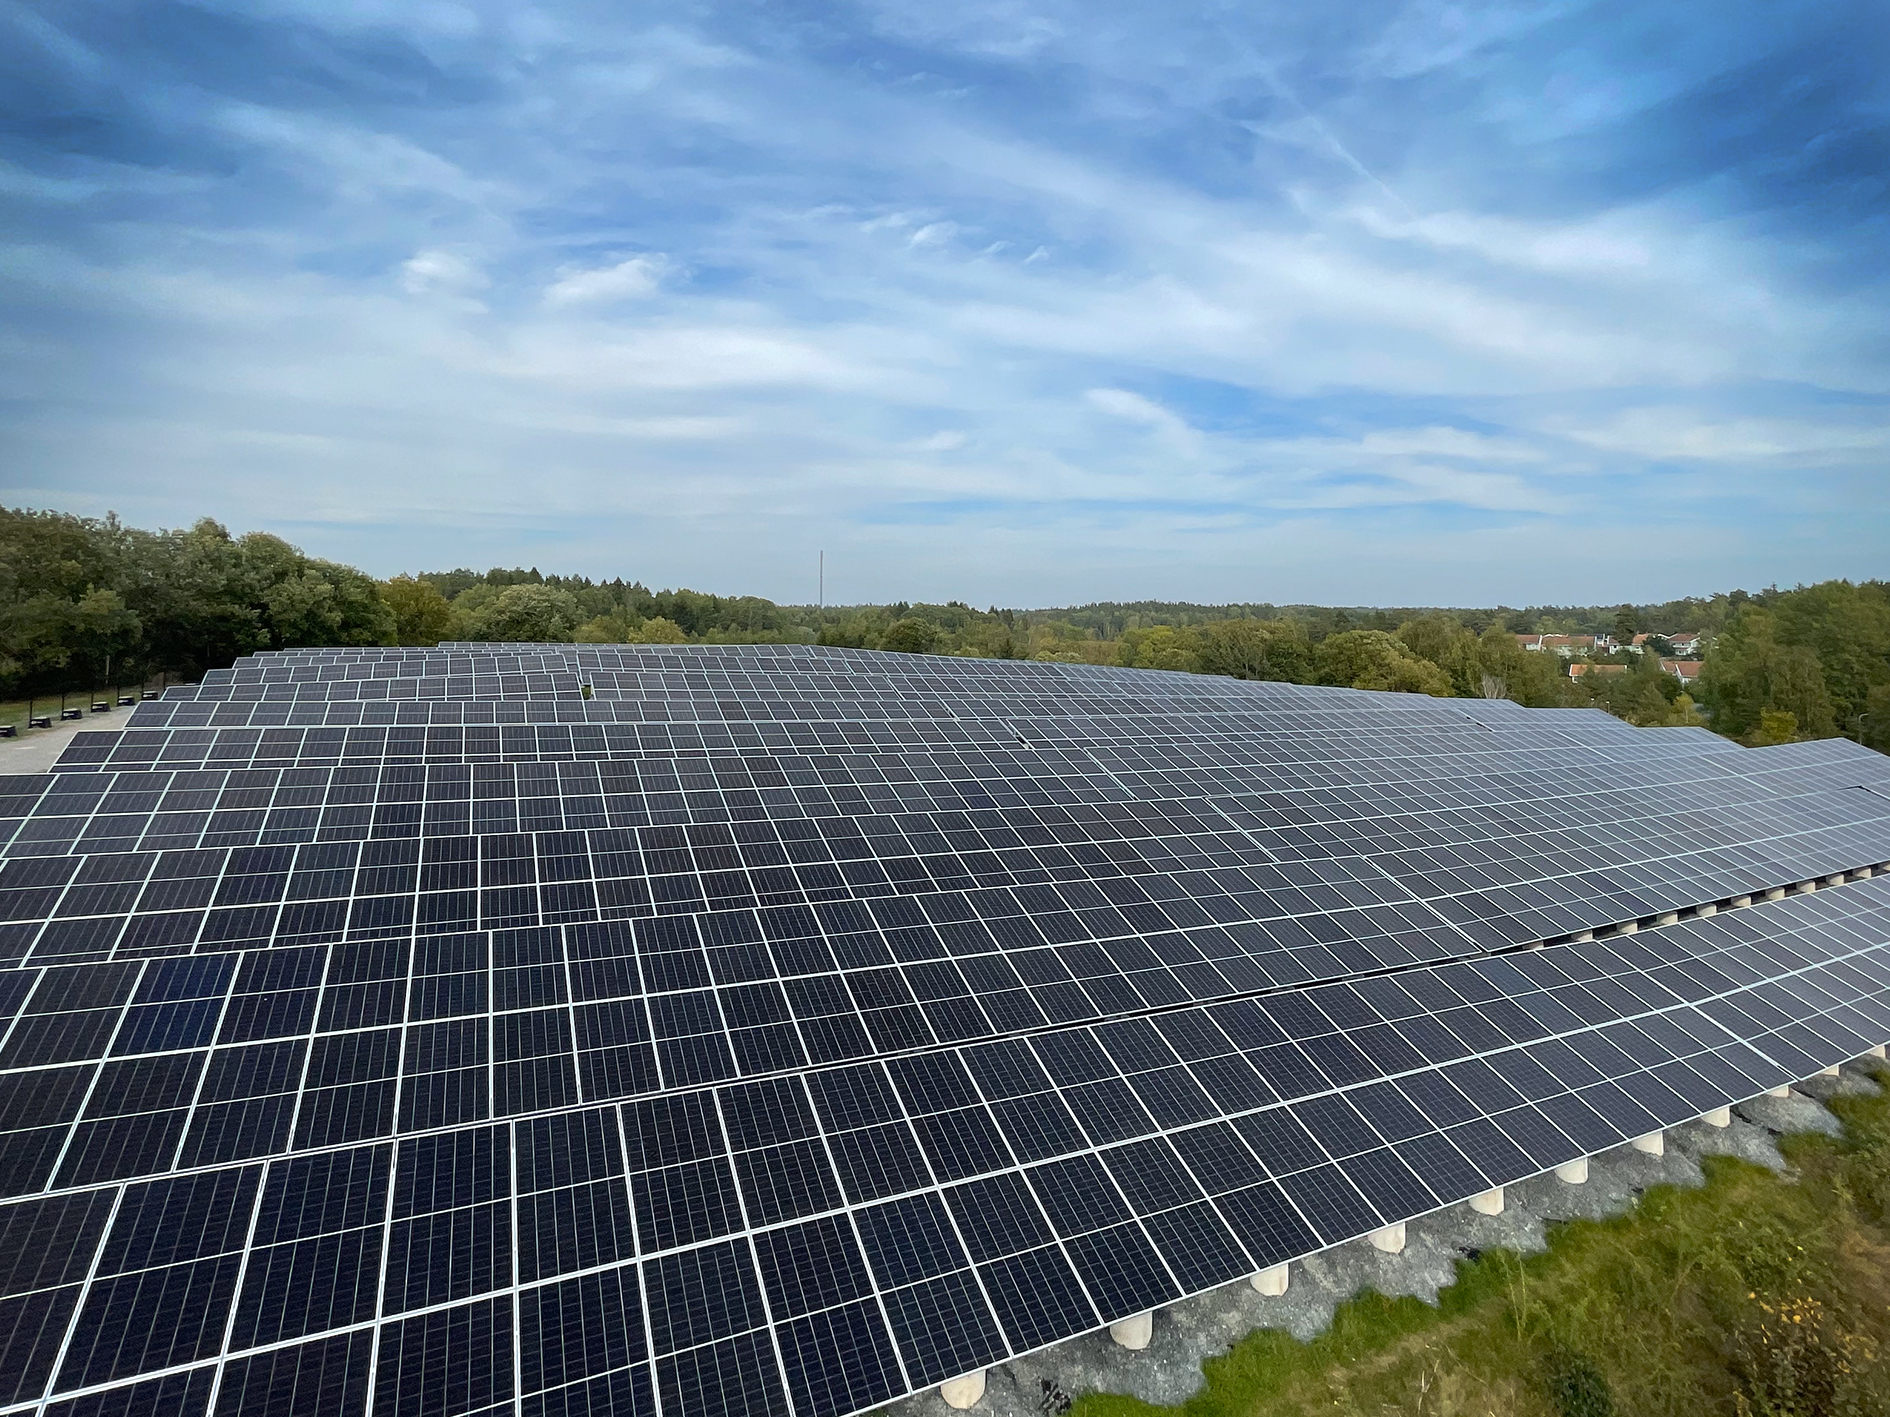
(452, 271)
(628, 279)
(1007, 300)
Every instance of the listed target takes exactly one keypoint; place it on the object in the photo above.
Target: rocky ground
(1169, 1369)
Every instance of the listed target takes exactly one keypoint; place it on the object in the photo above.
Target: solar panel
(706, 1030)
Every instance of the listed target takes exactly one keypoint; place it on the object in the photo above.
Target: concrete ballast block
(1876, 1052)
(1389, 1238)
(1667, 917)
(1778, 1092)
(1741, 901)
(1654, 1143)
(1829, 1072)
(1708, 909)
(1573, 1173)
(963, 1392)
(1718, 1117)
(1776, 893)
(1134, 1332)
(1271, 1282)
(1489, 1203)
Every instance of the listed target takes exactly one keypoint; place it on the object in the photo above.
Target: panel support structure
(1489, 1203)
(1271, 1282)
(1135, 1331)
(962, 1393)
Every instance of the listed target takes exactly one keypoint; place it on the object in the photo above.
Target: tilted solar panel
(701, 1030)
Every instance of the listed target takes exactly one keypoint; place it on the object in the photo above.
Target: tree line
(88, 603)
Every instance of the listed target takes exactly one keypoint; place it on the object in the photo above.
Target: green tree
(322, 603)
(1848, 627)
(1163, 647)
(1255, 649)
(614, 628)
(657, 631)
(1445, 642)
(1505, 670)
(1876, 719)
(848, 634)
(1627, 624)
(198, 592)
(1372, 659)
(1775, 726)
(422, 615)
(1750, 672)
(910, 635)
(525, 613)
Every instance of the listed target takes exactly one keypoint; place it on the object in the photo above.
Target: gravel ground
(1169, 1370)
(41, 747)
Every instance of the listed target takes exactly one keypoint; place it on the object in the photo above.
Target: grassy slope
(1757, 1295)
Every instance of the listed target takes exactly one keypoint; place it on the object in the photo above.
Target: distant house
(1686, 642)
(1568, 646)
(1685, 670)
(1575, 671)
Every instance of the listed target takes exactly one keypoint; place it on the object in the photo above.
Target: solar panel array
(561, 1030)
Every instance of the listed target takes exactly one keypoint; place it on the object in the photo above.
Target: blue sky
(1013, 302)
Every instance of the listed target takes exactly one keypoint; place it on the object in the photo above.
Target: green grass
(1756, 1295)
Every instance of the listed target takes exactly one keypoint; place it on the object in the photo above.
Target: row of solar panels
(845, 1234)
(1471, 869)
(850, 1098)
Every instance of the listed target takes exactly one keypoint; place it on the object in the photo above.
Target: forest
(87, 604)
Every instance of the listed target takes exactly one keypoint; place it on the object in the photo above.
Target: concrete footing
(1740, 901)
(1271, 1282)
(1829, 1072)
(1390, 1239)
(1778, 1092)
(1706, 910)
(1805, 888)
(1654, 1143)
(1876, 1052)
(1573, 1173)
(1667, 917)
(1836, 880)
(1582, 937)
(1489, 1203)
(963, 1392)
(1133, 1332)
(1631, 928)
(1776, 893)
(1718, 1117)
